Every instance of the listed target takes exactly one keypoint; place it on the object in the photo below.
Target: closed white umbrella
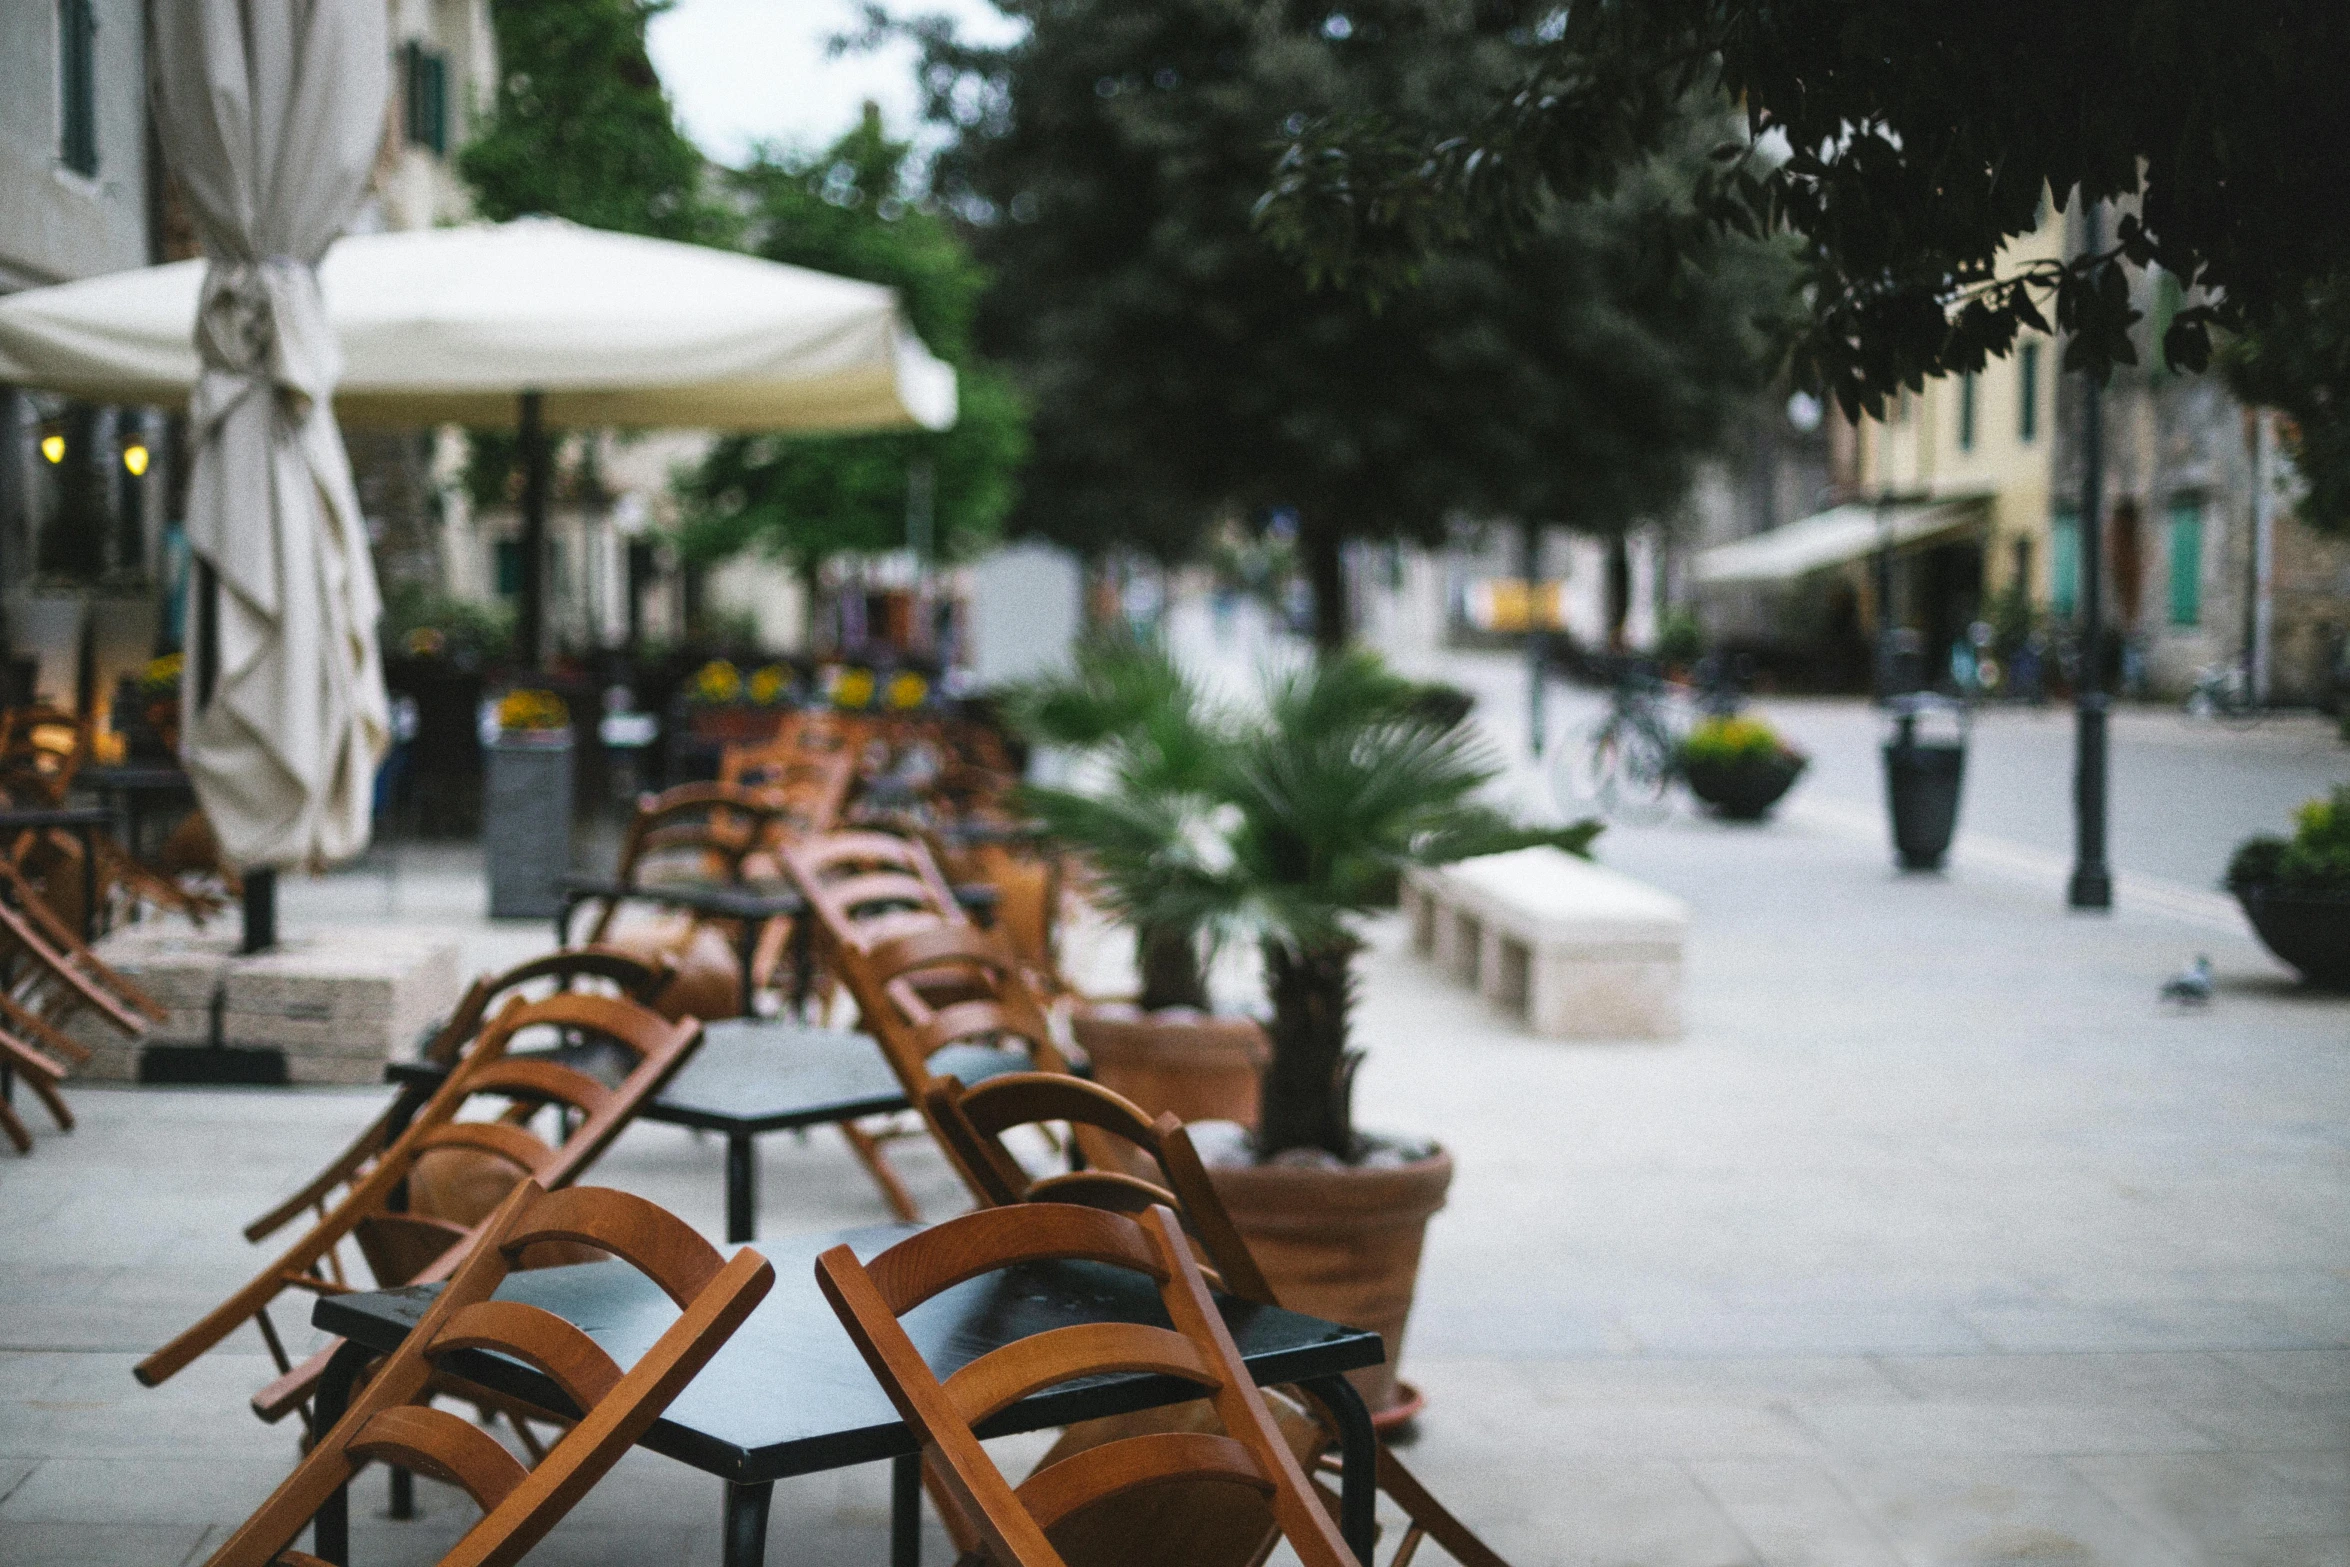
(270, 112)
(449, 325)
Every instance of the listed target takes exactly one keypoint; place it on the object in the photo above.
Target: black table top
(757, 899)
(135, 779)
(766, 1075)
(55, 816)
(789, 1394)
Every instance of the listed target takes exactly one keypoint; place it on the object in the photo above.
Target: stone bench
(333, 1003)
(1580, 951)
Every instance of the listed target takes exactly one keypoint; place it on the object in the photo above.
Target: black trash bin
(1922, 778)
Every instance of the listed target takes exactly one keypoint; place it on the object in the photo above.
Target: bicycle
(2224, 692)
(1623, 766)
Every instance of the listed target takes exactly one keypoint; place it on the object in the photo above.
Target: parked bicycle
(2224, 692)
(1623, 766)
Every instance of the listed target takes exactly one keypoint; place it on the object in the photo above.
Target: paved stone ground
(1939, 1240)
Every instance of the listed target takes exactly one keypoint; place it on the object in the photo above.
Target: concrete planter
(526, 823)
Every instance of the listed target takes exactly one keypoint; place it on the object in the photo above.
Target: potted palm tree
(1151, 828)
(1345, 780)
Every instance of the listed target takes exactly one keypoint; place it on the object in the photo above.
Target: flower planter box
(526, 823)
(1745, 788)
(2309, 932)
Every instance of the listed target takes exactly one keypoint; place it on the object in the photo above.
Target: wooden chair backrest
(638, 980)
(717, 823)
(392, 1421)
(922, 991)
(863, 886)
(413, 1248)
(807, 788)
(1016, 1523)
(971, 1123)
(41, 748)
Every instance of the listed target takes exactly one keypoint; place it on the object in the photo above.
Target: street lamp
(2091, 886)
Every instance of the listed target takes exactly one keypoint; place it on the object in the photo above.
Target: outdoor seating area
(1109, 784)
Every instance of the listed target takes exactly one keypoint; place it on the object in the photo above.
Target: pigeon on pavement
(2191, 986)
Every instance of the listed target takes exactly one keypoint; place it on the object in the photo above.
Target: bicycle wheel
(1582, 769)
(1643, 779)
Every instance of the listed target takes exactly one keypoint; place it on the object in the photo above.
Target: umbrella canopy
(448, 325)
(271, 112)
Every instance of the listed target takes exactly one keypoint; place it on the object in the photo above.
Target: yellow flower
(767, 685)
(907, 689)
(162, 673)
(854, 689)
(532, 709)
(427, 642)
(718, 681)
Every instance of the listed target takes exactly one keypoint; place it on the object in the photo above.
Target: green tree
(2298, 361)
(1904, 145)
(1110, 161)
(852, 212)
(582, 129)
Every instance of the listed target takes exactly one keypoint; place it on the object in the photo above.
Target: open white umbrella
(449, 325)
(537, 321)
(270, 112)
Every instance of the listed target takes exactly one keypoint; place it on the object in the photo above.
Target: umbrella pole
(537, 474)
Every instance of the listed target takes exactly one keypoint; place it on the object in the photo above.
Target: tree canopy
(1109, 163)
(852, 212)
(1904, 145)
(582, 129)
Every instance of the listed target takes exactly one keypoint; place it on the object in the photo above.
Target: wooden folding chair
(42, 746)
(392, 1421)
(632, 977)
(864, 886)
(1030, 1525)
(417, 1207)
(47, 975)
(971, 1123)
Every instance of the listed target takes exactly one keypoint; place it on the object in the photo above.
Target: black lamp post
(2091, 886)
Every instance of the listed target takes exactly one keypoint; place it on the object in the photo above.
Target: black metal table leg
(1358, 1445)
(746, 1524)
(89, 884)
(403, 1498)
(742, 1188)
(750, 952)
(905, 1511)
(330, 1527)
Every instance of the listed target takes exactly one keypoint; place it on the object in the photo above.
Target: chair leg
(1429, 1516)
(15, 1130)
(867, 1148)
(39, 1076)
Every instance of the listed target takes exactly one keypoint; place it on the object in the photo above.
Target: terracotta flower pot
(1195, 1065)
(1341, 1242)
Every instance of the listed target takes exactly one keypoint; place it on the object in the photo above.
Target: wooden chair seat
(1027, 1525)
(391, 1420)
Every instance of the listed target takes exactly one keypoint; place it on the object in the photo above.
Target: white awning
(1833, 537)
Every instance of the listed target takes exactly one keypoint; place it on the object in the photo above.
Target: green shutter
(2186, 563)
(508, 556)
(1966, 412)
(427, 116)
(2027, 422)
(2064, 560)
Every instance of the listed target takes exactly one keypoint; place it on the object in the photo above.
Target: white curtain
(270, 114)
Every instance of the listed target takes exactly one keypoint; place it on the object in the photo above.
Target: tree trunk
(1309, 1087)
(1168, 956)
(1319, 543)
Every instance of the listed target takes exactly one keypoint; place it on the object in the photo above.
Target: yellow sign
(1505, 604)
